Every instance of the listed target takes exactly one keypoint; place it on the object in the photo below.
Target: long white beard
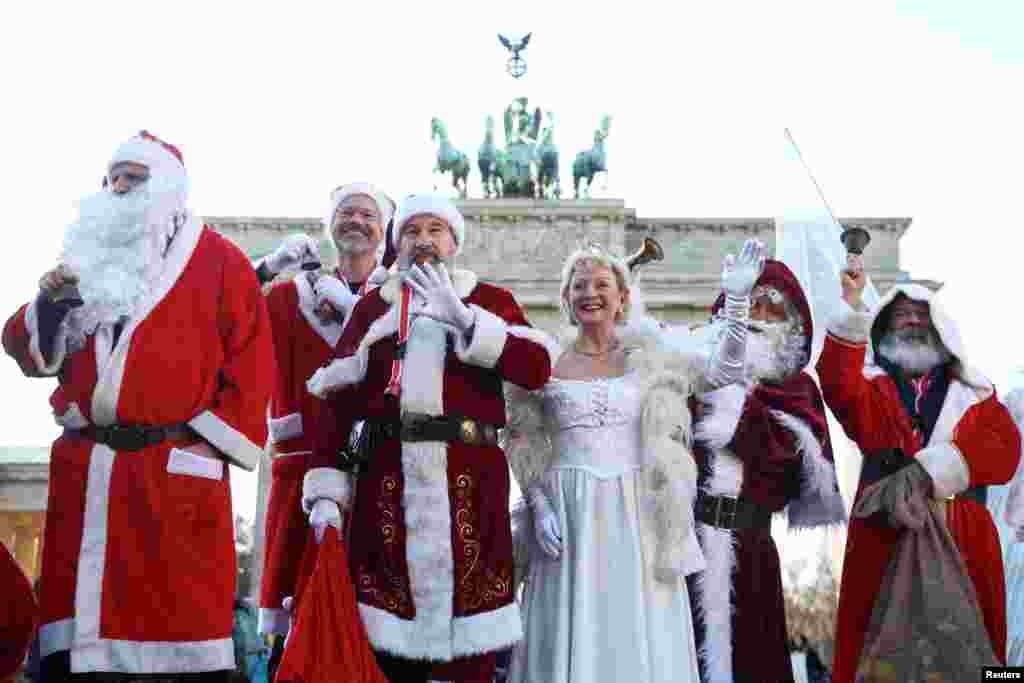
(914, 350)
(116, 247)
(774, 352)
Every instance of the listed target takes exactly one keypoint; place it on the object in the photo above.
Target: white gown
(597, 614)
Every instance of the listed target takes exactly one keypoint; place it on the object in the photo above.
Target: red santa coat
(302, 345)
(431, 544)
(18, 614)
(974, 442)
(138, 567)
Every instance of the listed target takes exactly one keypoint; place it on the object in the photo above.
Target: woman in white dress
(601, 455)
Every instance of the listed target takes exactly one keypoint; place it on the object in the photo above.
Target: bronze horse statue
(449, 159)
(548, 184)
(592, 161)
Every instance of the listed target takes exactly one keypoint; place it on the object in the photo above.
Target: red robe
(974, 432)
(18, 614)
(302, 344)
(431, 543)
(138, 567)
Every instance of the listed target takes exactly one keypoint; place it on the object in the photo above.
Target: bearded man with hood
(164, 362)
(762, 447)
(898, 378)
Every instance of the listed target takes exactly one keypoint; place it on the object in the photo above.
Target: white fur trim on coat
(850, 325)
(487, 343)
(670, 472)
(285, 427)
(235, 445)
(725, 404)
(326, 482)
(819, 503)
(714, 584)
(330, 331)
(947, 467)
(60, 343)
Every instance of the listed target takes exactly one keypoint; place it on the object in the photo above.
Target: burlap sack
(926, 624)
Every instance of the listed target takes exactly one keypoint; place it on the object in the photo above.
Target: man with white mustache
(762, 446)
(164, 363)
(898, 380)
(307, 315)
(422, 360)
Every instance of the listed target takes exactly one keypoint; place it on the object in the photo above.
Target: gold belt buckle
(468, 431)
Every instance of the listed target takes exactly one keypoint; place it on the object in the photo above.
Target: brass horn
(650, 251)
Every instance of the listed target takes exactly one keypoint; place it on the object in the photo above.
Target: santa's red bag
(328, 641)
(17, 614)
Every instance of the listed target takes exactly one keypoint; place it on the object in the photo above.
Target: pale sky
(901, 108)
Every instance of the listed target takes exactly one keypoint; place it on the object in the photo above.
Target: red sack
(328, 641)
(18, 614)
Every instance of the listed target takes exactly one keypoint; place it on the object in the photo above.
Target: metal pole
(789, 136)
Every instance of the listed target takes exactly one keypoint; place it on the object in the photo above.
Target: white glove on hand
(739, 275)
(339, 373)
(331, 290)
(443, 303)
(545, 524)
(293, 250)
(325, 513)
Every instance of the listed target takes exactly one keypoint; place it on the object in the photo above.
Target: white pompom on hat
(434, 205)
(385, 204)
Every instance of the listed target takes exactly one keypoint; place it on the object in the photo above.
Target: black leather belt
(135, 437)
(726, 512)
(420, 427)
(886, 461)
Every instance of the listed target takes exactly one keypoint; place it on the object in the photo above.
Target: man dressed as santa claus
(762, 448)
(422, 360)
(157, 332)
(307, 314)
(898, 380)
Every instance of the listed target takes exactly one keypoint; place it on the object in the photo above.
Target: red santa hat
(385, 204)
(434, 205)
(163, 160)
(778, 276)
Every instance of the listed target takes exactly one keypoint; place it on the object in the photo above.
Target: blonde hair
(596, 254)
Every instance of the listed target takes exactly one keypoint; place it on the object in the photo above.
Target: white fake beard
(774, 352)
(116, 248)
(914, 350)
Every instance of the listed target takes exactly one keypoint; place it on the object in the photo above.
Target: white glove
(739, 275)
(340, 373)
(325, 513)
(293, 250)
(545, 523)
(443, 303)
(331, 290)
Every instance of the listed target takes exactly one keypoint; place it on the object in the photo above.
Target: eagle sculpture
(515, 48)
